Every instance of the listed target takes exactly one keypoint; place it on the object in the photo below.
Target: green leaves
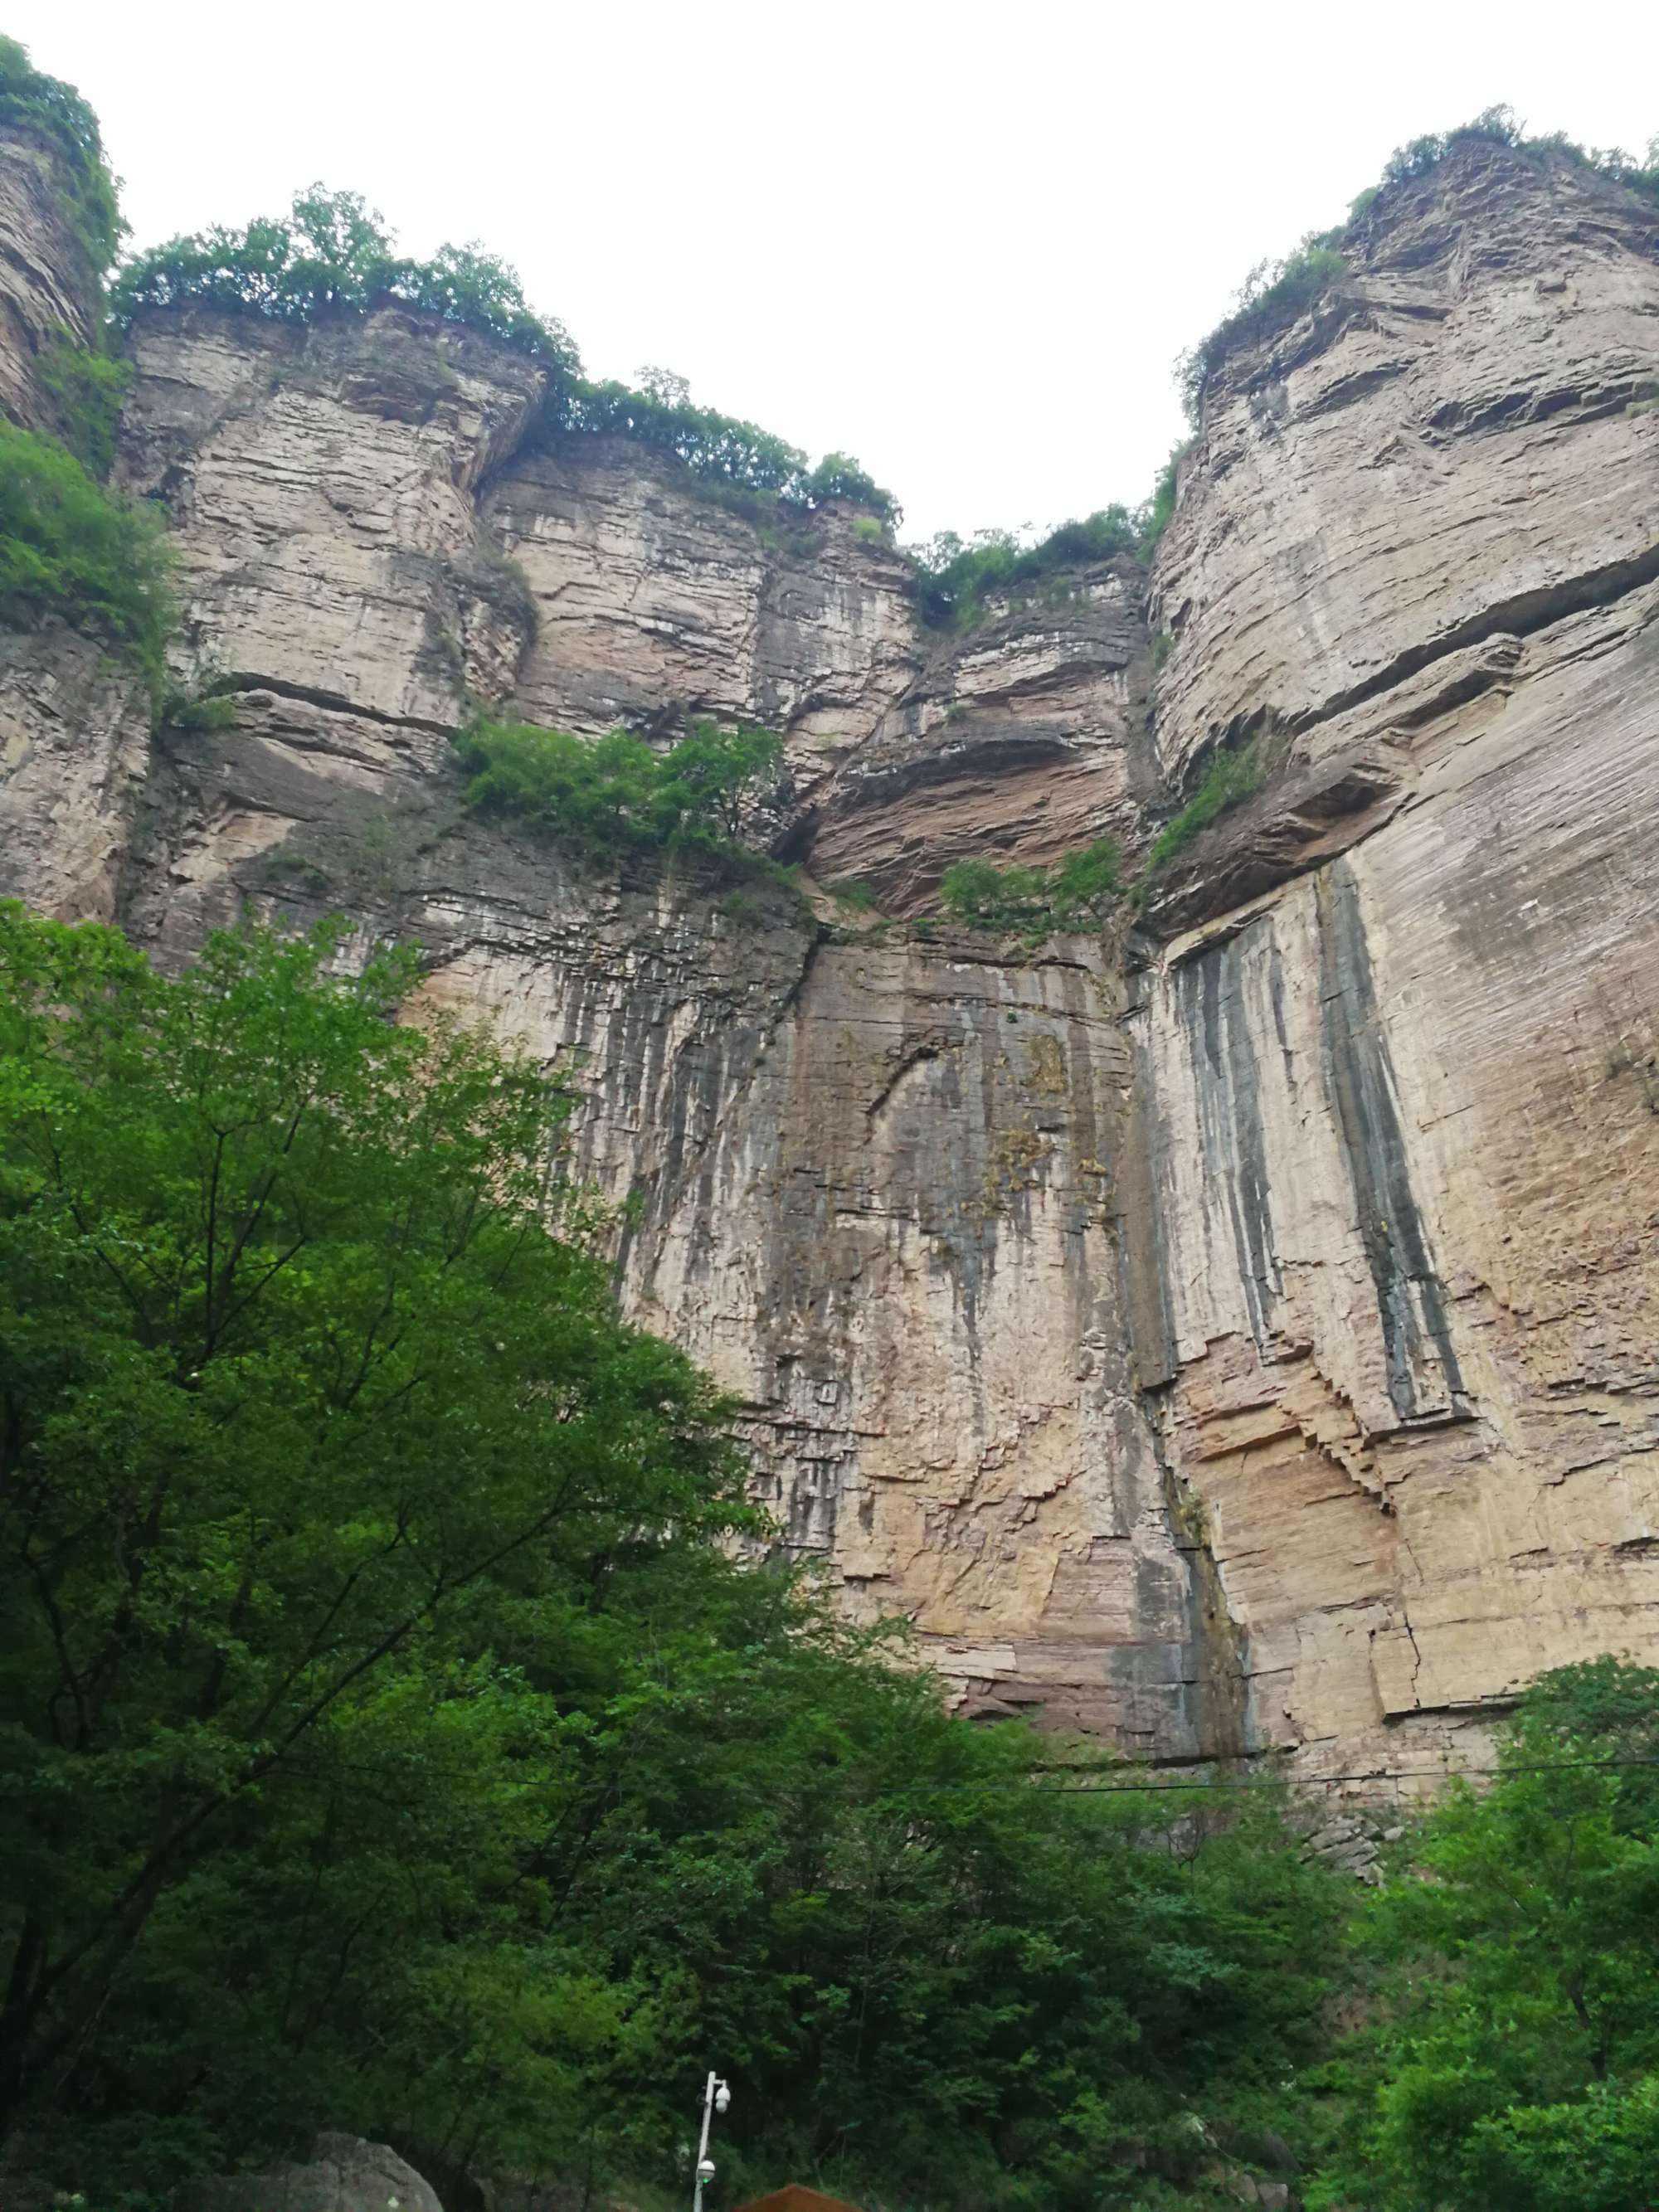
(387, 1738)
(1230, 779)
(1076, 893)
(1513, 2062)
(731, 457)
(956, 580)
(302, 1402)
(68, 547)
(332, 252)
(32, 102)
(610, 793)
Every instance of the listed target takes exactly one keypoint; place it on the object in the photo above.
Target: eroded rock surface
(47, 293)
(1403, 1114)
(1241, 1334)
(74, 756)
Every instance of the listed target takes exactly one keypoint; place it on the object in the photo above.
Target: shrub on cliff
(1274, 294)
(1028, 902)
(606, 793)
(43, 105)
(955, 578)
(751, 466)
(85, 389)
(71, 548)
(1228, 782)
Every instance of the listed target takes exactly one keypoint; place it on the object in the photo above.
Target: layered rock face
(1401, 1113)
(47, 293)
(1236, 1333)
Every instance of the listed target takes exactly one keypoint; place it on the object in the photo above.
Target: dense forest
(406, 1725)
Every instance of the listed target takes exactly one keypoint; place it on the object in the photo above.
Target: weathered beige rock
(1457, 442)
(74, 756)
(321, 484)
(1020, 741)
(658, 601)
(1251, 1343)
(1401, 1116)
(46, 289)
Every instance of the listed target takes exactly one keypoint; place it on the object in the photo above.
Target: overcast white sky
(964, 242)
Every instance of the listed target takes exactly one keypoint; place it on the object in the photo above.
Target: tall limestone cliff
(1236, 1332)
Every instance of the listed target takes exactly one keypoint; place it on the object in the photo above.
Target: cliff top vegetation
(1276, 292)
(332, 253)
(47, 108)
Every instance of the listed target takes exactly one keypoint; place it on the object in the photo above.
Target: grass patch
(201, 710)
(857, 897)
(1228, 782)
(68, 547)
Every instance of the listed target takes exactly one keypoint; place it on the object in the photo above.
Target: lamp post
(715, 2098)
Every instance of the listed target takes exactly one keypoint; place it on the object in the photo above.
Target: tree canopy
(1511, 2062)
(387, 1738)
(333, 252)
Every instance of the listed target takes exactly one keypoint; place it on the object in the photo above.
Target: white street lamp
(716, 2098)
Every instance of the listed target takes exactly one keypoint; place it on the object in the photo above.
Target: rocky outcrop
(1401, 1112)
(342, 2175)
(321, 482)
(1237, 1334)
(47, 293)
(1021, 740)
(1456, 445)
(73, 754)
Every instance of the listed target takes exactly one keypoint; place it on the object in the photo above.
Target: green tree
(387, 1740)
(332, 252)
(1514, 2066)
(301, 1403)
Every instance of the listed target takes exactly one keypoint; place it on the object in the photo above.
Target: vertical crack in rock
(1212, 994)
(1410, 1296)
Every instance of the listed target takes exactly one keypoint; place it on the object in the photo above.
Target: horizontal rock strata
(1237, 1333)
